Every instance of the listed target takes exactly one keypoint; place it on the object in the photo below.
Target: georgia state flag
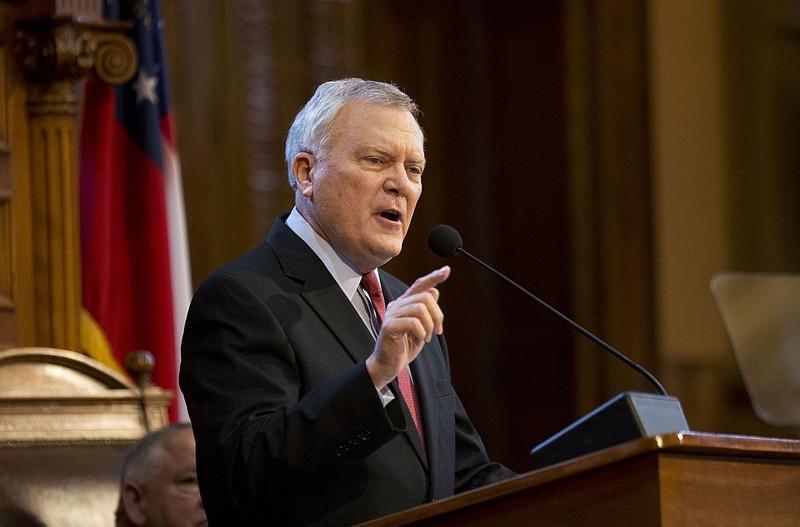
(135, 258)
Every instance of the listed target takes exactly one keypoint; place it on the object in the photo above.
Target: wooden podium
(681, 479)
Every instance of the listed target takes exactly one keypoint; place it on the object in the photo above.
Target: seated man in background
(158, 481)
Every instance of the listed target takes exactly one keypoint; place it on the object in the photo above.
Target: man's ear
(132, 500)
(303, 167)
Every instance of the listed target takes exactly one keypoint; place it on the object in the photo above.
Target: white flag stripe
(180, 268)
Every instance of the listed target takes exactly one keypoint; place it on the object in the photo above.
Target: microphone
(626, 417)
(445, 241)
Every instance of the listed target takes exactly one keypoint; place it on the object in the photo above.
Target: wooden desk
(680, 479)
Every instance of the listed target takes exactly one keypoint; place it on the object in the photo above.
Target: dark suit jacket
(289, 428)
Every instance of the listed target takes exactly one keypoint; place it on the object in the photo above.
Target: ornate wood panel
(47, 47)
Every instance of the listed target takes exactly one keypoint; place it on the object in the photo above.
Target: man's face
(172, 496)
(361, 191)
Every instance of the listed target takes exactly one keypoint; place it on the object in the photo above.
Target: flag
(134, 254)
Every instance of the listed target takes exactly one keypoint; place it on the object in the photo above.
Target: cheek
(181, 505)
(338, 199)
(412, 203)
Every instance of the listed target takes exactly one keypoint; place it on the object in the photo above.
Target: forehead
(180, 444)
(367, 122)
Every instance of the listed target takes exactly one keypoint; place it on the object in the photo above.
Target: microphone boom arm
(649, 376)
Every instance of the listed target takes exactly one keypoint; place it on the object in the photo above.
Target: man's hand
(410, 321)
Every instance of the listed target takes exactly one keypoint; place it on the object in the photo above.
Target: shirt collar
(345, 275)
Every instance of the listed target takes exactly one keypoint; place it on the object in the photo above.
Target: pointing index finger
(430, 280)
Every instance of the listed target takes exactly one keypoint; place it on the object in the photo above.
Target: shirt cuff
(386, 395)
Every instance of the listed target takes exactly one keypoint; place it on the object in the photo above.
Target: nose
(198, 502)
(398, 181)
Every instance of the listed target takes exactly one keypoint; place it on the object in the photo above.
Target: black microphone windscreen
(444, 240)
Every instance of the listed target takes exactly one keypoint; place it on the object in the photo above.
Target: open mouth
(391, 215)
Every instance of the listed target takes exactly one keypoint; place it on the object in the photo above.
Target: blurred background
(611, 157)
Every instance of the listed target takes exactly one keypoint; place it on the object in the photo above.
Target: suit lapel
(321, 291)
(422, 382)
(341, 318)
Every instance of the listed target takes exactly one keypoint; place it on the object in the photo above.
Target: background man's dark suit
(289, 426)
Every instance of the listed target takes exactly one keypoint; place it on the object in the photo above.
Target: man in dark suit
(318, 386)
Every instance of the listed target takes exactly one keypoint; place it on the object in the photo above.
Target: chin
(377, 252)
(383, 257)
(388, 248)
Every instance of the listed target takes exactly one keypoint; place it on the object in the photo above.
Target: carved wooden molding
(56, 49)
(50, 396)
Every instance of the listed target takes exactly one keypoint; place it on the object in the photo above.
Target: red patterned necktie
(370, 284)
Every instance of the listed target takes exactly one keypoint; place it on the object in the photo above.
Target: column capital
(65, 48)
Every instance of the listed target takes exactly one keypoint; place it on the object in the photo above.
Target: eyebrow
(377, 150)
(381, 151)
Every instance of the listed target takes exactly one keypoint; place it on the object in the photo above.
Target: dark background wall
(539, 120)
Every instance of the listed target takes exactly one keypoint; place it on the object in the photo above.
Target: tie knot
(370, 284)
(369, 281)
